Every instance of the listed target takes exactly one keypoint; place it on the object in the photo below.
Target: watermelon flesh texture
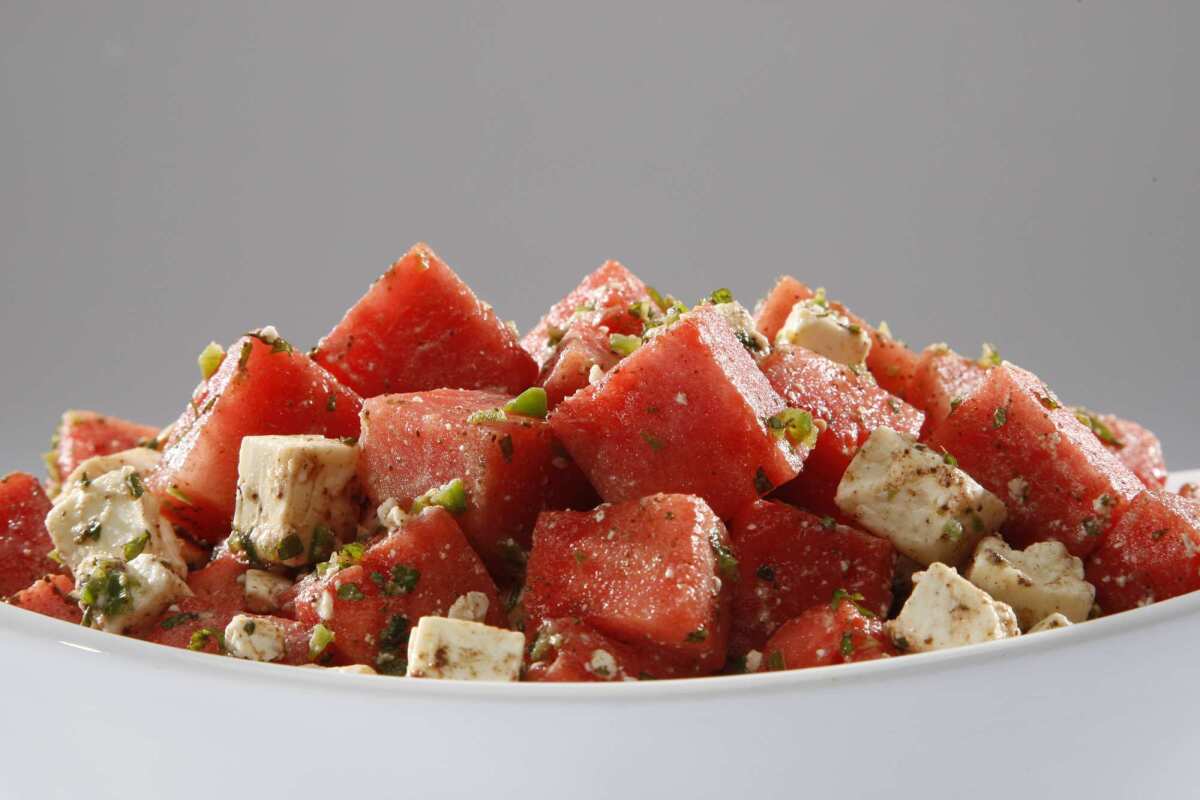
(420, 327)
(260, 389)
(790, 561)
(644, 572)
(24, 542)
(1057, 481)
(850, 404)
(942, 379)
(50, 595)
(570, 650)
(823, 636)
(217, 596)
(1137, 448)
(685, 413)
(84, 434)
(582, 348)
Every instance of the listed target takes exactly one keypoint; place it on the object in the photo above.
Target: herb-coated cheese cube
(1038, 581)
(455, 649)
(812, 324)
(117, 595)
(930, 510)
(295, 496)
(142, 459)
(1055, 620)
(742, 324)
(111, 517)
(254, 638)
(946, 610)
(264, 590)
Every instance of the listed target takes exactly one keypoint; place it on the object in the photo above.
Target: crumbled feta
(390, 514)
(142, 459)
(742, 324)
(472, 606)
(813, 325)
(455, 649)
(254, 638)
(264, 590)
(325, 606)
(754, 661)
(595, 374)
(1038, 581)
(602, 664)
(946, 610)
(289, 487)
(1018, 489)
(930, 509)
(117, 595)
(1055, 620)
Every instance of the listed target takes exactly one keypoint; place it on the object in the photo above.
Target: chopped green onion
(451, 496)
(698, 635)
(720, 296)
(136, 487)
(320, 638)
(624, 345)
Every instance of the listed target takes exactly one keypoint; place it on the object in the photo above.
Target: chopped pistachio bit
(289, 547)
(989, 357)
(953, 530)
(136, 487)
(847, 645)
(134, 547)
(727, 563)
(350, 591)
(90, 533)
(999, 417)
(451, 496)
(698, 635)
(799, 427)
(488, 415)
(210, 359)
(623, 344)
(719, 296)
(320, 638)
(1098, 427)
(853, 598)
(529, 403)
(176, 620)
(177, 493)
(202, 637)
(775, 661)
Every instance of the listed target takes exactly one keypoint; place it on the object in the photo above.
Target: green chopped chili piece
(1102, 431)
(451, 496)
(134, 547)
(798, 426)
(624, 344)
(176, 620)
(698, 635)
(210, 359)
(529, 403)
(990, 357)
(775, 662)
(318, 640)
(90, 533)
(720, 296)
(202, 637)
(999, 417)
(953, 529)
(349, 591)
(490, 415)
(289, 547)
(136, 487)
(847, 646)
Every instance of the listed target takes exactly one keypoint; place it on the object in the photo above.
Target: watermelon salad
(636, 489)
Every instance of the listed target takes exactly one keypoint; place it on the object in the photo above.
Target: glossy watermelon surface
(823, 636)
(941, 381)
(83, 434)
(50, 595)
(24, 543)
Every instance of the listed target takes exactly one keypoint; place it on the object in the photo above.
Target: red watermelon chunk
(652, 573)
(217, 596)
(418, 570)
(1057, 480)
(24, 542)
(583, 347)
(415, 442)
(790, 561)
(1138, 448)
(569, 650)
(686, 412)
(1152, 553)
(941, 381)
(50, 595)
(84, 434)
(262, 388)
(772, 311)
(420, 327)
(822, 636)
(850, 404)
(890, 361)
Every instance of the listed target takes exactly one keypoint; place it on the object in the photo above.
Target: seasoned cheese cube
(812, 324)
(142, 459)
(742, 323)
(291, 491)
(254, 638)
(1037, 582)
(946, 610)
(110, 517)
(117, 595)
(1051, 622)
(930, 509)
(455, 649)
(264, 590)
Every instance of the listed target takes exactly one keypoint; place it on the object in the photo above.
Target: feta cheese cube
(1037, 582)
(455, 649)
(742, 324)
(292, 490)
(142, 459)
(930, 509)
(111, 516)
(812, 324)
(1055, 620)
(255, 638)
(472, 606)
(265, 590)
(946, 610)
(117, 595)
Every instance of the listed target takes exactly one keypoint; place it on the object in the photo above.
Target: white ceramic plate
(1105, 709)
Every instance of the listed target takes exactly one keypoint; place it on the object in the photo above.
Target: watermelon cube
(1136, 447)
(822, 636)
(790, 561)
(689, 412)
(50, 595)
(583, 348)
(570, 650)
(849, 403)
(420, 569)
(772, 311)
(420, 327)
(24, 543)
(412, 443)
(941, 381)
(652, 573)
(83, 434)
(263, 387)
(1057, 480)
(1152, 553)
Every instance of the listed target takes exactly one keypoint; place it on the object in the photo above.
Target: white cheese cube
(292, 490)
(255, 638)
(264, 590)
(742, 324)
(1038, 581)
(142, 459)
(814, 326)
(930, 509)
(455, 649)
(1051, 622)
(472, 606)
(116, 595)
(111, 516)
(946, 610)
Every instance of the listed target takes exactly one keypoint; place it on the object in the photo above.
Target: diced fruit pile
(634, 490)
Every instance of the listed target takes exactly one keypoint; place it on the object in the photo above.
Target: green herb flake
(202, 637)
(289, 547)
(828, 523)
(394, 635)
(1102, 431)
(403, 580)
(953, 530)
(323, 543)
(175, 620)
(529, 403)
(990, 357)
(350, 591)
(1158, 534)
(762, 484)
(90, 533)
(624, 344)
(136, 487)
(451, 496)
(210, 359)
(775, 662)
(999, 417)
(134, 547)
(847, 645)
(955, 402)
(652, 440)
(720, 296)
(320, 638)
(331, 403)
(727, 563)
(698, 635)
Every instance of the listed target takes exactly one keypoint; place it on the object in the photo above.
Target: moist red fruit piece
(890, 361)
(569, 650)
(822, 636)
(420, 327)
(583, 347)
(790, 561)
(687, 412)
(418, 570)
(1057, 480)
(652, 573)
(1190, 491)
(262, 388)
(84, 434)
(772, 311)
(850, 404)
(1135, 446)
(411, 443)
(217, 596)
(942, 379)
(50, 595)
(24, 542)
(602, 299)
(1152, 553)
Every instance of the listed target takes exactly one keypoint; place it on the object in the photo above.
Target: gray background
(1025, 173)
